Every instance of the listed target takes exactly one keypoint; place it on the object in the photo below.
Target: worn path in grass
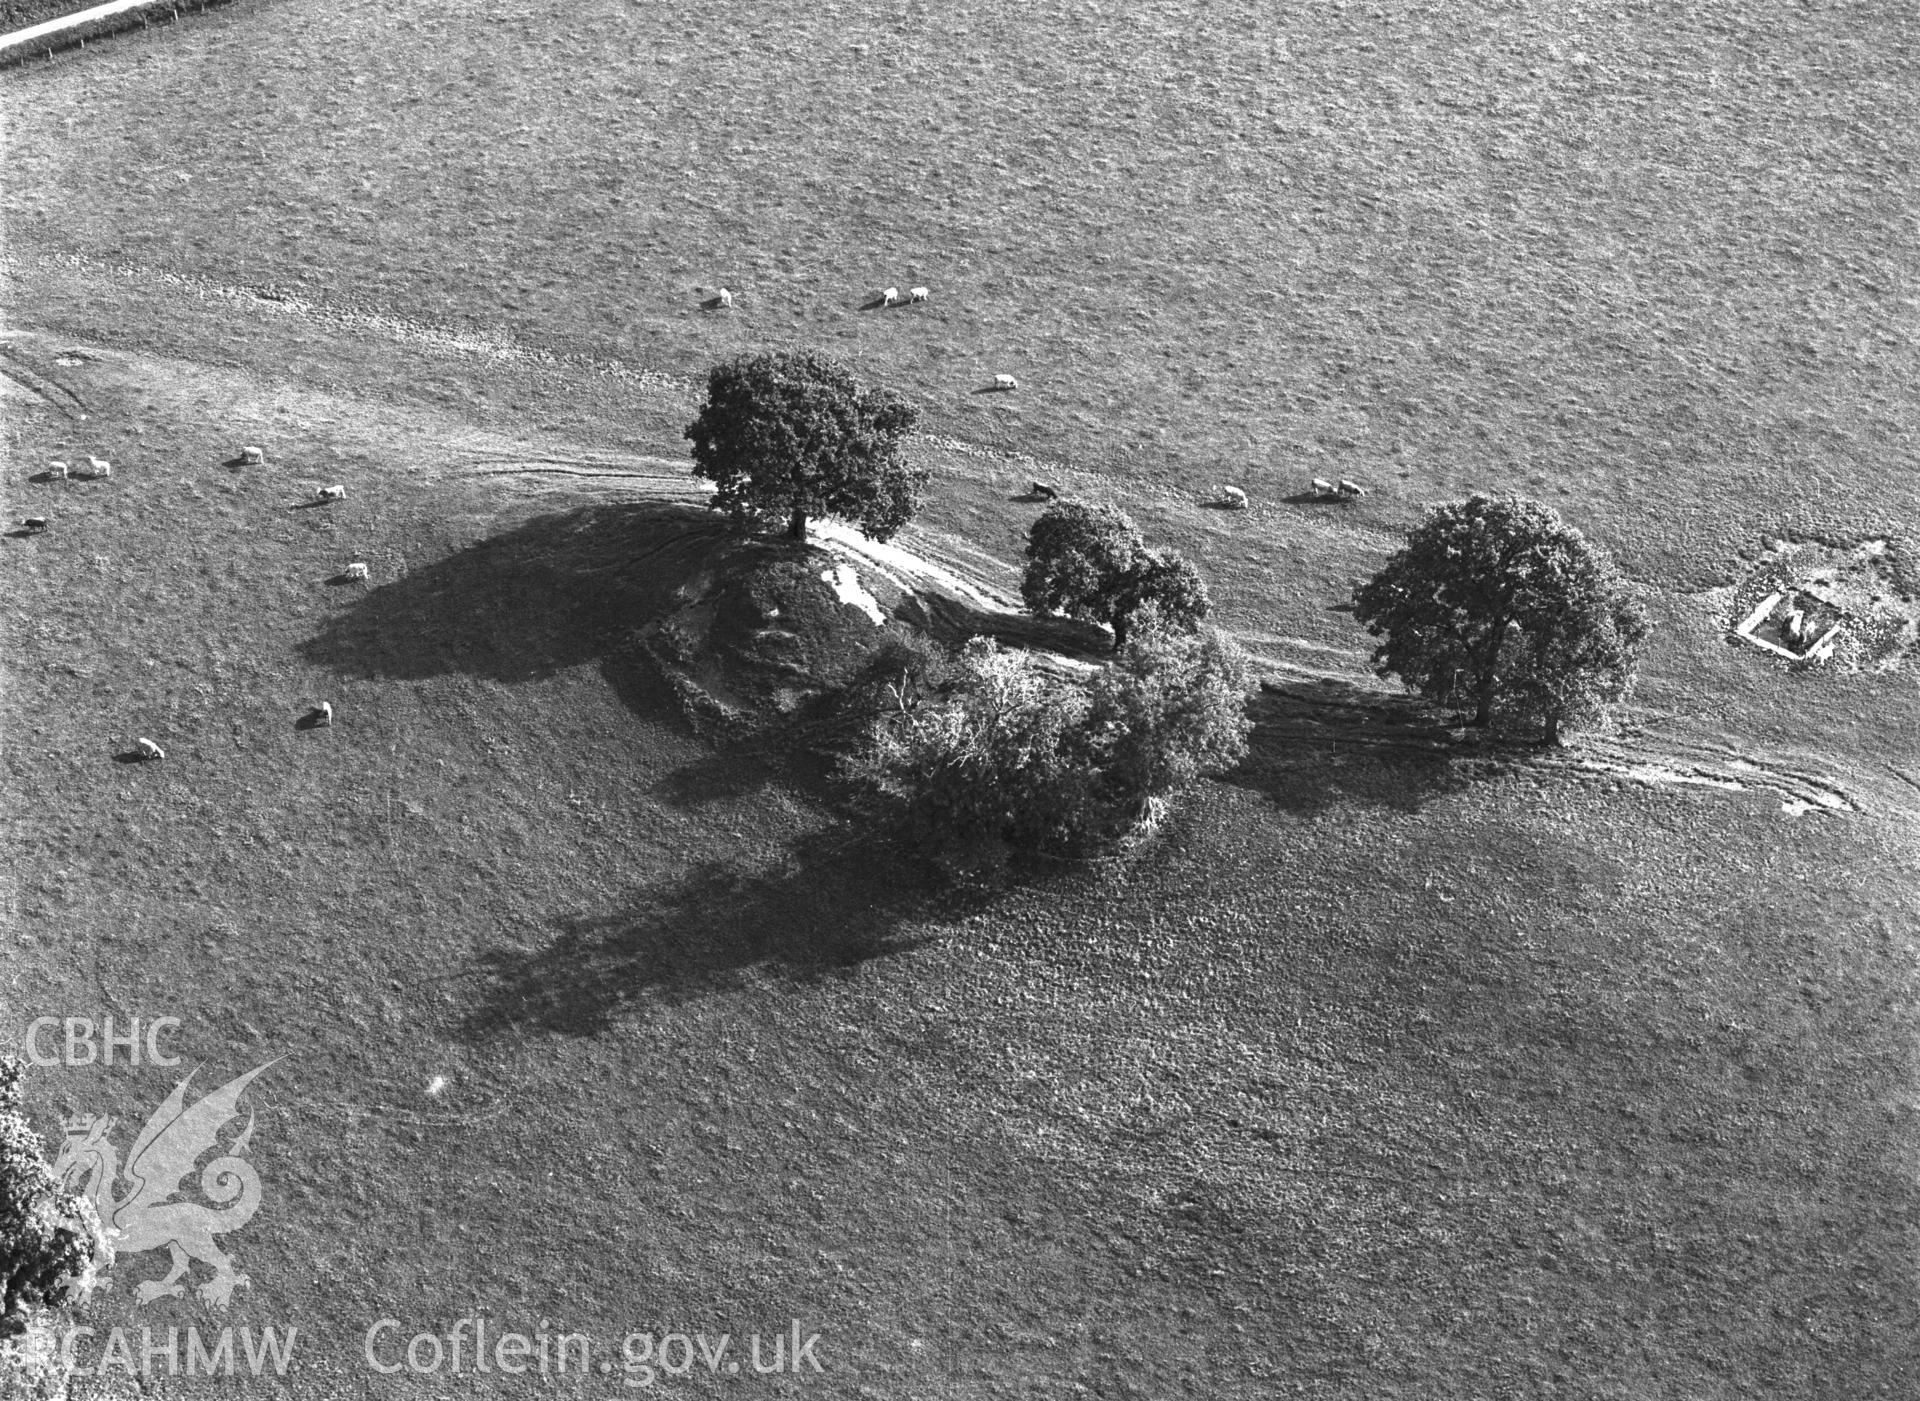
(1346, 706)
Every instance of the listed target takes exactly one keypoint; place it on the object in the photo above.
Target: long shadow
(790, 753)
(1320, 743)
(556, 591)
(835, 904)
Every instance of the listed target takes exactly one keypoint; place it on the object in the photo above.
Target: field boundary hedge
(44, 39)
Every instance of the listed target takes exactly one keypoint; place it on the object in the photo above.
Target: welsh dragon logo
(146, 1215)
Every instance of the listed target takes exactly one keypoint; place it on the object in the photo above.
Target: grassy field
(1653, 265)
(1387, 1074)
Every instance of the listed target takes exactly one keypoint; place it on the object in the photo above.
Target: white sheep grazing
(147, 749)
(98, 469)
(57, 471)
(1233, 498)
(890, 297)
(354, 571)
(1348, 488)
(918, 294)
(252, 455)
(725, 298)
(1323, 487)
(330, 493)
(1005, 382)
(323, 713)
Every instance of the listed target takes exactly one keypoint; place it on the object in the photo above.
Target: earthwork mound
(1814, 604)
(742, 629)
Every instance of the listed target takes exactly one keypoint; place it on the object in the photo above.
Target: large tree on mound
(1089, 562)
(788, 437)
(51, 1243)
(1497, 603)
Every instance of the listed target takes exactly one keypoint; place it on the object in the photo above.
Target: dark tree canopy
(790, 437)
(1075, 552)
(1000, 755)
(51, 1243)
(1497, 603)
(1165, 585)
(1090, 563)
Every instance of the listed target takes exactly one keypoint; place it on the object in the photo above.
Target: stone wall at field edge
(32, 29)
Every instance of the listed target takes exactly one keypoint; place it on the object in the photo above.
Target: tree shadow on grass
(556, 591)
(1317, 744)
(835, 903)
(792, 756)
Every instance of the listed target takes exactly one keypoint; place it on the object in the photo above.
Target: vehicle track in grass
(1322, 707)
(53, 393)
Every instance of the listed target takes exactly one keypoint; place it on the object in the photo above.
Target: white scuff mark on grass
(1660, 773)
(907, 569)
(844, 579)
(437, 1084)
